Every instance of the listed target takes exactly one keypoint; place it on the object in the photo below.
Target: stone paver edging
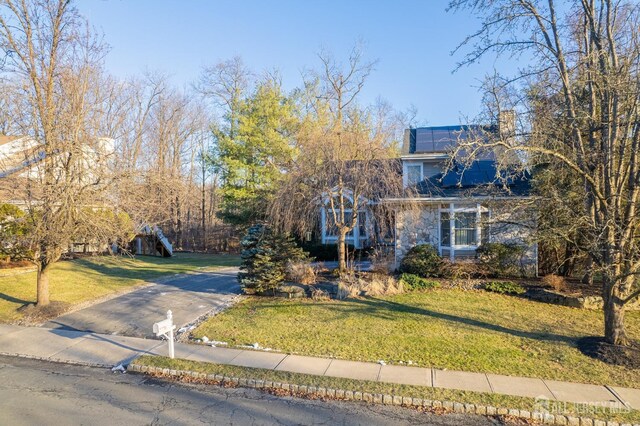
(552, 390)
(386, 399)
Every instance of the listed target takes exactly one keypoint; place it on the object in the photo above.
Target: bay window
(355, 236)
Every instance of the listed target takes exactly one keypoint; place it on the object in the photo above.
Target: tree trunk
(203, 212)
(43, 285)
(342, 251)
(569, 262)
(614, 331)
(588, 276)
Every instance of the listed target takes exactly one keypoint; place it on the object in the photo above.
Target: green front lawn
(90, 278)
(452, 329)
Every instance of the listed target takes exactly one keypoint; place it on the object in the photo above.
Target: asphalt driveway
(189, 296)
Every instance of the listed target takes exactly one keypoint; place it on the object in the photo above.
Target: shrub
(380, 285)
(555, 282)
(346, 290)
(301, 272)
(413, 282)
(13, 228)
(504, 287)
(422, 260)
(319, 294)
(501, 259)
(462, 270)
(265, 255)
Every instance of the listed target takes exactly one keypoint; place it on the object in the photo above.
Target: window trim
(354, 235)
(405, 174)
(451, 209)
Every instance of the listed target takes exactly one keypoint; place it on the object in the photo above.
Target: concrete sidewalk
(108, 350)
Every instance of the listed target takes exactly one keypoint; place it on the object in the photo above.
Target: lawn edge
(140, 284)
(442, 406)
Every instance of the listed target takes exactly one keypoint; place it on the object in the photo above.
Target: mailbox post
(165, 328)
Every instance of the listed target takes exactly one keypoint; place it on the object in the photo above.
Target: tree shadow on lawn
(388, 310)
(12, 299)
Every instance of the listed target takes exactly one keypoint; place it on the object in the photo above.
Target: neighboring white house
(455, 209)
(20, 157)
(21, 161)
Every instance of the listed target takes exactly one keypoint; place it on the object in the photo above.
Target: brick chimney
(507, 123)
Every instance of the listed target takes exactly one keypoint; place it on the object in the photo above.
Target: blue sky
(412, 40)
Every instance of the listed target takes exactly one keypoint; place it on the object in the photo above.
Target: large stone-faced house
(457, 208)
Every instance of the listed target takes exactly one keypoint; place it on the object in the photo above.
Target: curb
(57, 360)
(385, 399)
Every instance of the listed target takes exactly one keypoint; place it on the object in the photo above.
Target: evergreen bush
(265, 255)
(422, 260)
(501, 259)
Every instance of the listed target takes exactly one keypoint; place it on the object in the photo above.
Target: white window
(330, 225)
(466, 229)
(413, 174)
(356, 236)
(362, 225)
(331, 229)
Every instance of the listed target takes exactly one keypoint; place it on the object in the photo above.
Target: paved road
(38, 392)
(188, 295)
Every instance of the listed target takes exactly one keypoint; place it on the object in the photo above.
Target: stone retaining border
(385, 399)
(545, 295)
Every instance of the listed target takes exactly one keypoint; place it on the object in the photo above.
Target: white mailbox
(165, 328)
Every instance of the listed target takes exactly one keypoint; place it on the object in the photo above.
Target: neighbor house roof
(18, 153)
(14, 153)
(4, 139)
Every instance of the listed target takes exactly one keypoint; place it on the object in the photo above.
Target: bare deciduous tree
(158, 143)
(56, 61)
(346, 156)
(578, 103)
(225, 84)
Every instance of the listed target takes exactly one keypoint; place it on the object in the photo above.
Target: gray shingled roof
(481, 178)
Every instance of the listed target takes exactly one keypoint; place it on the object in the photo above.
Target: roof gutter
(425, 156)
(432, 200)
